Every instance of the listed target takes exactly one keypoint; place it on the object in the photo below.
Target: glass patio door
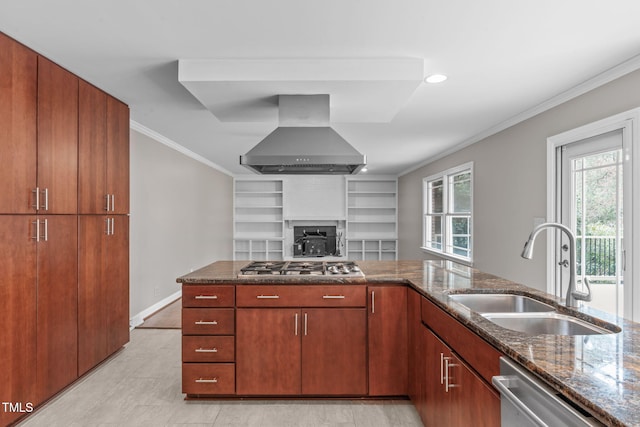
(591, 195)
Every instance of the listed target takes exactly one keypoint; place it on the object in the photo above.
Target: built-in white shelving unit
(372, 215)
(258, 219)
(266, 209)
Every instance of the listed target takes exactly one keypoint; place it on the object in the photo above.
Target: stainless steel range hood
(304, 143)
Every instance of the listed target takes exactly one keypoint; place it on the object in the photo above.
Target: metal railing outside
(600, 256)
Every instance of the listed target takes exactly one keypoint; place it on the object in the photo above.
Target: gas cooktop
(301, 268)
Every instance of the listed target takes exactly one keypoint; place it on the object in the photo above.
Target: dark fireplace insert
(314, 241)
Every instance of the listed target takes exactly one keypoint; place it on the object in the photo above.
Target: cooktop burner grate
(300, 268)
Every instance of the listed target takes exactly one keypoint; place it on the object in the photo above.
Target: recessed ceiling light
(435, 78)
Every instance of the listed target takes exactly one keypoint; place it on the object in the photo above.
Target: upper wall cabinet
(118, 155)
(38, 133)
(18, 146)
(103, 153)
(57, 189)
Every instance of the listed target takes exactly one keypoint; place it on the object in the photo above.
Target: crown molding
(601, 79)
(174, 145)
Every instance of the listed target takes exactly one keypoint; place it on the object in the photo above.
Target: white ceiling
(503, 58)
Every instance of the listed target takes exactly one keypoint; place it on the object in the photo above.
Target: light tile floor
(141, 386)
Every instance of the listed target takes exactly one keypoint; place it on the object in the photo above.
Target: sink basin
(500, 303)
(545, 323)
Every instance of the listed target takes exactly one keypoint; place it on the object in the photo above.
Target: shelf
(372, 216)
(258, 186)
(258, 219)
(372, 249)
(258, 249)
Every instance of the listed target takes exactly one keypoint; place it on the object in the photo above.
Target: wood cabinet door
(268, 351)
(117, 156)
(57, 302)
(92, 140)
(334, 347)
(480, 402)
(57, 139)
(18, 100)
(415, 354)
(436, 405)
(116, 276)
(92, 292)
(387, 318)
(18, 319)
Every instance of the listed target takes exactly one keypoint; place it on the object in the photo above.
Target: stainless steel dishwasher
(527, 401)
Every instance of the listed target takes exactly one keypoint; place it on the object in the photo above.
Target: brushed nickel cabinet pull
(295, 324)
(37, 235)
(305, 324)
(441, 368)
(204, 380)
(108, 204)
(447, 377)
(45, 206)
(109, 226)
(206, 297)
(36, 205)
(373, 302)
(206, 350)
(206, 322)
(113, 202)
(45, 236)
(268, 296)
(333, 297)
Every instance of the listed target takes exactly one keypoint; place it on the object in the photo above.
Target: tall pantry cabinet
(103, 202)
(42, 238)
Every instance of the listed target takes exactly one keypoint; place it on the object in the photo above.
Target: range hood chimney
(303, 143)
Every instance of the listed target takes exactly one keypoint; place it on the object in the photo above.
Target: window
(447, 198)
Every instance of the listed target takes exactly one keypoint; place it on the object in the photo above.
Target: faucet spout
(573, 295)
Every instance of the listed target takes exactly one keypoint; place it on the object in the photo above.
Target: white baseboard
(139, 318)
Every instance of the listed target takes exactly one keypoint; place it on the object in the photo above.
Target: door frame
(628, 122)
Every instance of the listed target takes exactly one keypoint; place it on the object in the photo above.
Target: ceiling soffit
(362, 90)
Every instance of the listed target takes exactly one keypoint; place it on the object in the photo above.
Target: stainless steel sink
(550, 323)
(500, 303)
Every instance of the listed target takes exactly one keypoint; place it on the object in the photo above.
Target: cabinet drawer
(301, 296)
(208, 378)
(208, 296)
(208, 348)
(484, 358)
(208, 321)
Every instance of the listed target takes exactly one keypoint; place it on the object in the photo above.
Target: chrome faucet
(573, 295)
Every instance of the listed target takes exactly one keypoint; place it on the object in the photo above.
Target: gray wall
(510, 183)
(181, 219)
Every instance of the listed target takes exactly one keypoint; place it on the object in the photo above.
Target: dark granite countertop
(599, 372)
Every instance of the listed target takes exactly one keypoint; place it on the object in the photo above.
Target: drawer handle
(204, 380)
(268, 296)
(206, 296)
(203, 322)
(206, 350)
(333, 297)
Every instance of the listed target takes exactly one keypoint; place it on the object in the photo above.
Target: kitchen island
(600, 373)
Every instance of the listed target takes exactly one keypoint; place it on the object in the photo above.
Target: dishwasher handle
(503, 384)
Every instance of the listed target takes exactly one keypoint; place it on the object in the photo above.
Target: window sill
(449, 257)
